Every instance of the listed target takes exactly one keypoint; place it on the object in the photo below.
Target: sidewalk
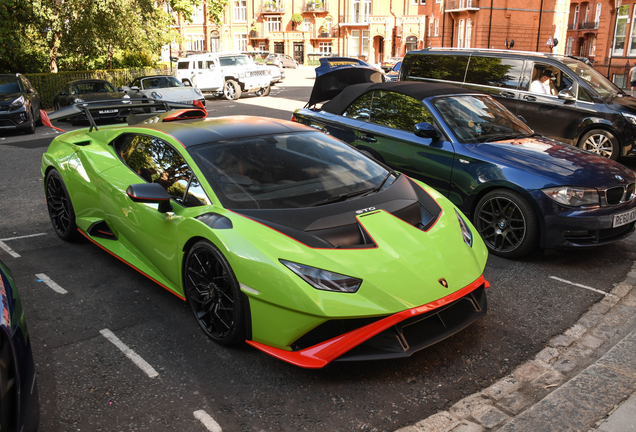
(584, 380)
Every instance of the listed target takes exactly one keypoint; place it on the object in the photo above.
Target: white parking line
(583, 286)
(207, 421)
(136, 359)
(47, 280)
(10, 251)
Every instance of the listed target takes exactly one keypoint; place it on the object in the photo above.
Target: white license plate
(107, 111)
(624, 218)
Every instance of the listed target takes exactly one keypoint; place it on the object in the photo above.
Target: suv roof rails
(494, 50)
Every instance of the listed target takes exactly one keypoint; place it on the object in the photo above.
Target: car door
(149, 232)
(209, 75)
(548, 115)
(500, 77)
(390, 134)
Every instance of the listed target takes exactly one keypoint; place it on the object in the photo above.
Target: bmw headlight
(18, 102)
(572, 196)
(630, 117)
(78, 100)
(156, 95)
(125, 98)
(467, 234)
(324, 280)
(197, 91)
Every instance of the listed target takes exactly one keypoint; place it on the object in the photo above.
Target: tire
(263, 91)
(601, 142)
(30, 129)
(295, 65)
(60, 207)
(507, 223)
(38, 122)
(213, 294)
(57, 106)
(231, 90)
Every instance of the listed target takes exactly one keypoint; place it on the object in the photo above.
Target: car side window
(551, 80)
(156, 161)
(398, 111)
(360, 109)
(136, 83)
(439, 67)
(496, 72)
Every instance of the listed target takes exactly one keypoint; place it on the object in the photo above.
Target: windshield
(475, 119)
(594, 79)
(94, 87)
(238, 60)
(160, 82)
(287, 171)
(10, 85)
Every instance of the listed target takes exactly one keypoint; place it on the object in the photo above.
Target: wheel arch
(590, 123)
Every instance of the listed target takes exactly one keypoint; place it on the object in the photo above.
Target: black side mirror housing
(425, 130)
(150, 193)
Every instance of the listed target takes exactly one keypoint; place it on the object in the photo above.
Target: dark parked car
(519, 189)
(393, 74)
(19, 104)
(90, 91)
(19, 402)
(576, 104)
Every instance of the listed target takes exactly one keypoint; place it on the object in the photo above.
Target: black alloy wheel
(8, 387)
(213, 294)
(30, 129)
(507, 223)
(60, 207)
(601, 142)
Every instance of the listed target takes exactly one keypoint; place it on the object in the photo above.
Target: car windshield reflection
(477, 119)
(287, 171)
(160, 82)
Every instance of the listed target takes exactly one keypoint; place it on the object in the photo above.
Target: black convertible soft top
(417, 90)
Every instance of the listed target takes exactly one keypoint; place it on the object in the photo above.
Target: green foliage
(297, 18)
(215, 10)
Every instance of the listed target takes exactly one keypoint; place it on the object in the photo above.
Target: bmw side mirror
(150, 193)
(425, 130)
(567, 95)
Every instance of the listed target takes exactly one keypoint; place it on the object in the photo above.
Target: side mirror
(134, 88)
(425, 130)
(121, 89)
(567, 95)
(150, 193)
(187, 84)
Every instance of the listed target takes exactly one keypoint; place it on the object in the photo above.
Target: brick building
(377, 29)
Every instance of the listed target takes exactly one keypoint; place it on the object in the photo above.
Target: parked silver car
(281, 60)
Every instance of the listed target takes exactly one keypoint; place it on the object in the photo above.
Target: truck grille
(5, 108)
(257, 73)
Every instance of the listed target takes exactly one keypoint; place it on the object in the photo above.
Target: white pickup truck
(226, 74)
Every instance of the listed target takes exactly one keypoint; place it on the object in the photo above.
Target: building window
(587, 13)
(197, 15)
(240, 10)
(597, 15)
(241, 41)
(460, 34)
(273, 23)
(327, 23)
(632, 40)
(430, 26)
(324, 48)
(262, 46)
(436, 27)
(361, 11)
(195, 43)
(355, 42)
(568, 46)
(621, 30)
(469, 33)
(306, 24)
(592, 46)
(365, 42)
(215, 41)
(418, 2)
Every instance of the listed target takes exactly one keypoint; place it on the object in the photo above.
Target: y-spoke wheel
(507, 223)
(213, 294)
(601, 142)
(231, 90)
(60, 207)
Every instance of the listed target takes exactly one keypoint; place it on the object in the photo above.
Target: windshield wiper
(341, 197)
(503, 137)
(377, 189)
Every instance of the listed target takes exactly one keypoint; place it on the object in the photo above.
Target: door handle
(508, 94)
(369, 139)
(530, 98)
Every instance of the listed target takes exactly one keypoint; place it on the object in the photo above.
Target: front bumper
(14, 119)
(567, 227)
(394, 336)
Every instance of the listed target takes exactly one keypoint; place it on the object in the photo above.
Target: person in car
(543, 85)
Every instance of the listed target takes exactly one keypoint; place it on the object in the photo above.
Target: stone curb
(560, 386)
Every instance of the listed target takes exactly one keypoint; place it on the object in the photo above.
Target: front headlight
(197, 91)
(630, 117)
(18, 102)
(125, 98)
(467, 234)
(324, 280)
(572, 196)
(156, 95)
(241, 74)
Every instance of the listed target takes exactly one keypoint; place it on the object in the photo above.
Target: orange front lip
(320, 355)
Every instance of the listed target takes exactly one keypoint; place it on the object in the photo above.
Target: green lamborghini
(276, 234)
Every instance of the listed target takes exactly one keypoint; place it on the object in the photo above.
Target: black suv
(559, 96)
(19, 104)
